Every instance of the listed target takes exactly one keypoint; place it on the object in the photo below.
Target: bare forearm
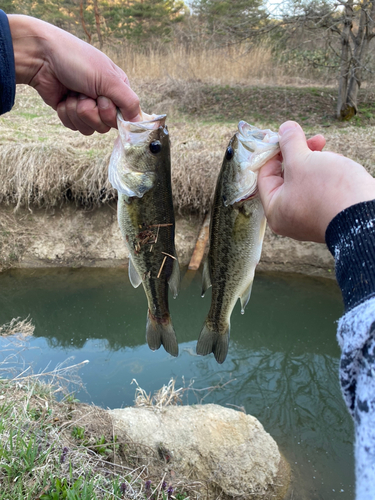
(29, 37)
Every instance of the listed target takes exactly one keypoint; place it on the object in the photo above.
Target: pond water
(282, 365)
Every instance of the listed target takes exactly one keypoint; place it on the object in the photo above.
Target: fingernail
(137, 118)
(103, 102)
(286, 126)
(82, 96)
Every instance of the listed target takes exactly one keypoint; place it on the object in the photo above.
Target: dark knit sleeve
(7, 66)
(350, 237)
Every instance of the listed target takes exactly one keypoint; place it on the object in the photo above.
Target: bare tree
(347, 27)
(356, 34)
(82, 18)
(97, 22)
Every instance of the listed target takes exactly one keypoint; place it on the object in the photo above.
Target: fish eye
(155, 147)
(229, 153)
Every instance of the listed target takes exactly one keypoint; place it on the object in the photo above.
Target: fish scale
(140, 170)
(236, 234)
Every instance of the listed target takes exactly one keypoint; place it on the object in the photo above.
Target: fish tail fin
(161, 332)
(211, 341)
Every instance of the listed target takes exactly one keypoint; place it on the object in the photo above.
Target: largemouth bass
(236, 234)
(140, 170)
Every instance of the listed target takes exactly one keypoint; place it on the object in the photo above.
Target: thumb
(128, 103)
(292, 141)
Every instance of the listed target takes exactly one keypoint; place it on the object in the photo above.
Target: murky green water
(282, 363)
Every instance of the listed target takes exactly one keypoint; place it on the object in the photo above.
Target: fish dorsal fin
(245, 297)
(206, 277)
(174, 280)
(134, 277)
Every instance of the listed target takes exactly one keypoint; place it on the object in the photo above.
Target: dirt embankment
(48, 171)
(71, 237)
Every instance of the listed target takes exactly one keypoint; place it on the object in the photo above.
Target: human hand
(77, 80)
(314, 187)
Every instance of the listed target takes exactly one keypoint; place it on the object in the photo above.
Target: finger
(71, 105)
(123, 97)
(107, 111)
(63, 115)
(292, 142)
(270, 180)
(129, 107)
(272, 167)
(88, 112)
(316, 143)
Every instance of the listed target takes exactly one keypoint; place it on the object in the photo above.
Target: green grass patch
(47, 453)
(29, 116)
(272, 105)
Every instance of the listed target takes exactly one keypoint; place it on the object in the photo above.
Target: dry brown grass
(233, 64)
(68, 166)
(17, 326)
(46, 174)
(355, 143)
(44, 164)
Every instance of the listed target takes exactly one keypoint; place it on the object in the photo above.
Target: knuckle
(103, 129)
(71, 105)
(86, 109)
(86, 131)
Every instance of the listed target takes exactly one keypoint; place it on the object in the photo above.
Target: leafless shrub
(169, 395)
(17, 327)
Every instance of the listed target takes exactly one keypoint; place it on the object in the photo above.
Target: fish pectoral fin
(245, 297)
(126, 181)
(174, 280)
(134, 277)
(206, 277)
(211, 341)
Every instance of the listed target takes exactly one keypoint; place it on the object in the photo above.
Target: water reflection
(282, 360)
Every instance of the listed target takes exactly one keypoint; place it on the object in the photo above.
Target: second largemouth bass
(236, 234)
(140, 170)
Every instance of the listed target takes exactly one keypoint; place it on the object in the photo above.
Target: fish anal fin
(174, 280)
(211, 341)
(206, 277)
(245, 297)
(134, 277)
(160, 332)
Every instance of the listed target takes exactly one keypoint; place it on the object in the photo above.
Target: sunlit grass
(233, 64)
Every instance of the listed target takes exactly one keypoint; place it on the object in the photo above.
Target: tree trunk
(88, 34)
(361, 45)
(342, 111)
(97, 21)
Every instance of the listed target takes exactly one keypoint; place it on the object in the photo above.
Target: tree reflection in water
(282, 360)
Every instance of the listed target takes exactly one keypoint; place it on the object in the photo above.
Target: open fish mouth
(254, 148)
(137, 132)
(125, 177)
(250, 132)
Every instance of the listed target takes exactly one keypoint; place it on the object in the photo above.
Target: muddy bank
(72, 237)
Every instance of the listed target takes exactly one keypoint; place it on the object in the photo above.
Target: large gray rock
(227, 449)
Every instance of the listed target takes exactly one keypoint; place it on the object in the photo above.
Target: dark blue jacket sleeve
(350, 237)
(7, 66)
